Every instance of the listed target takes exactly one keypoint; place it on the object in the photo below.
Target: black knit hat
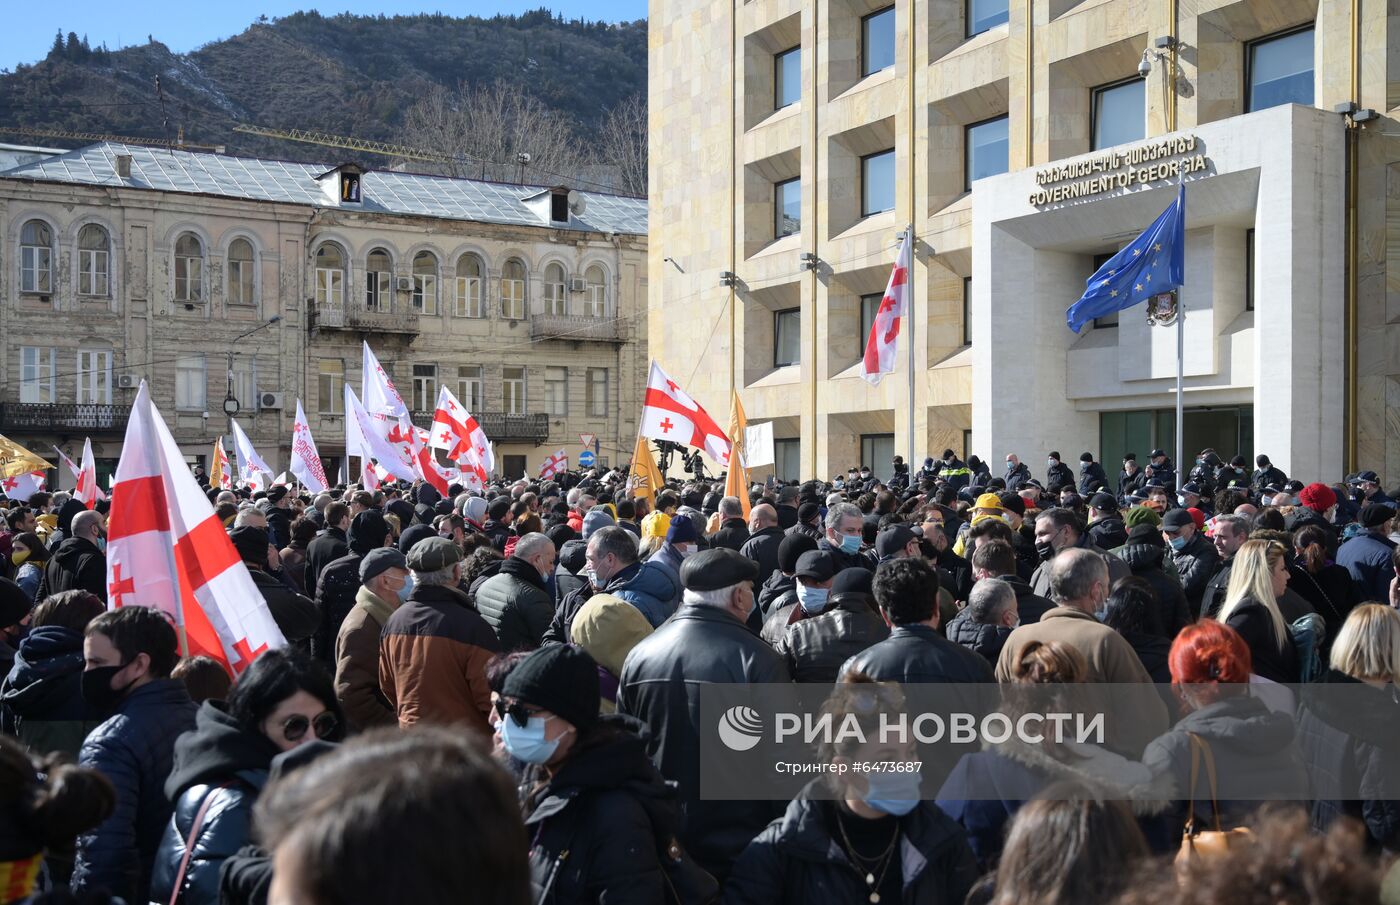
(561, 679)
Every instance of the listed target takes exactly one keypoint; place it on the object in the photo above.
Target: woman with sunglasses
(282, 701)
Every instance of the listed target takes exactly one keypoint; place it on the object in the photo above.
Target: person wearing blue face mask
(1195, 556)
(812, 586)
(845, 527)
(385, 584)
(596, 806)
(858, 837)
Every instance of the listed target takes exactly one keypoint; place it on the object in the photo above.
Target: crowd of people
(494, 696)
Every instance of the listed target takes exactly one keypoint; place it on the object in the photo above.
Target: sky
(183, 26)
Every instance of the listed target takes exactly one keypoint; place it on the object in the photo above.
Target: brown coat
(1111, 660)
(432, 659)
(357, 664)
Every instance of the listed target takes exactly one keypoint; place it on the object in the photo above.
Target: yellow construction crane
(351, 144)
(179, 144)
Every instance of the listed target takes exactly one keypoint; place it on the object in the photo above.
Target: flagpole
(909, 321)
(1180, 349)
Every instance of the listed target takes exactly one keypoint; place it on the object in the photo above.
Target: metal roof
(382, 191)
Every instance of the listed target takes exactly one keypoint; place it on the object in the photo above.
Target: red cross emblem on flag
(120, 586)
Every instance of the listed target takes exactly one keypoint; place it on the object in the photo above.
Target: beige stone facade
(721, 142)
(156, 307)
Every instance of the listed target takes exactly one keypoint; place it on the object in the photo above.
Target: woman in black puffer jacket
(282, 701)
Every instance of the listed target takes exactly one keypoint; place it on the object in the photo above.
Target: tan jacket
(357, 664)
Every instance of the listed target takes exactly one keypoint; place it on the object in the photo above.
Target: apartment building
(241, 285)
(1025, 142)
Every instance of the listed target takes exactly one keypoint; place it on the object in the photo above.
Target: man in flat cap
(434, 650)
(707, 641)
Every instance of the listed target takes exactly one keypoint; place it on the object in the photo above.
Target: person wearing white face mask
(1195, 556)
(593, 839)
(385, 584)
(814, 573)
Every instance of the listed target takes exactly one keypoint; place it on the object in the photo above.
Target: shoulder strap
(195, 827)
(1201, 753)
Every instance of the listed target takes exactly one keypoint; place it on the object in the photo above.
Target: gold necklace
(882, 860)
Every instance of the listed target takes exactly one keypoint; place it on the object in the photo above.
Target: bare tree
(624, 143)
(488, 128)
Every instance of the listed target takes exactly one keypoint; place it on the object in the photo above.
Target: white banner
(758, 445)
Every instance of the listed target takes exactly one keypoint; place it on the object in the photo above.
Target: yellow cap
(988, 501)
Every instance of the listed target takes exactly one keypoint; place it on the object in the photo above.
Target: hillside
(351, 75)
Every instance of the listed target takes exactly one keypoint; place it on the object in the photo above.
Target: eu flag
(1153, 263)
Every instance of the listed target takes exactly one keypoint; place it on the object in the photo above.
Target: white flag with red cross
(458, 432)
(428, 466)
(555, 464)
(86, 492)
(884, 332)
(74, 470)
(306, 461)
(166, 549)
(669, 413)
(252, 470)
(23, 486)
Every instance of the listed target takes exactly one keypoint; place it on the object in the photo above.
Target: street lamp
(231, 401)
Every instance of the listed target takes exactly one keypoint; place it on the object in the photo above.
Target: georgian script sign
(1118, 169)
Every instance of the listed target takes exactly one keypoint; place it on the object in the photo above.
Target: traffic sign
(587, 459)
(588, 440)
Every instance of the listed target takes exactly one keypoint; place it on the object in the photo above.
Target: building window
(787, 337)
(555, 301)
(190, 383)
(379, 281)
(1119, 113)
(967, 311)
(1108, 321)
(787, 208)
(787, 459)
(36, 257)
(469, 302)
(556, 391)
(424, 388)
(513, 290)
(94, 260)
(330, 276)
(787, 78)
(37, 375)
(986, 149)
(245, 385)
(1280, 70)
(1249, 270)
(877, 451)
(242, 280)
(513, 390)
(877, 183)
(189, 268)
(877, 41)
(425, 265)
(595, 299)
(330, 385)
(94, 373)
(469, 386)
(984, 15)
(869, 307)
(597, 393)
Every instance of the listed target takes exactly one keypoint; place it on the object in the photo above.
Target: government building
(241, 285)
(1026, 142)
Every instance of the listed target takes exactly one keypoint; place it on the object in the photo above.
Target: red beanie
(1318, 497)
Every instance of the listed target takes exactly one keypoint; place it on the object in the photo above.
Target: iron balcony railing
(499, 426)
(578, 328)
(350, 317)
(62, 417)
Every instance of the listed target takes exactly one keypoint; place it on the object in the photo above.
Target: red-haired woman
(1254, 749)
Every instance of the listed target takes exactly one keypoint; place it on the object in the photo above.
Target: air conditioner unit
(404, 284)
(578, 284)
(268, 401)
(128, 381)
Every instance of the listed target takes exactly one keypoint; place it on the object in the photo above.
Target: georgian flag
(555, 464)
(884, 333)
(166, 549)
(75, 471)
(306, 461)
(23, 486)
(251, 468)
(87, 492)
(457, 432)
(392, 451)
(669, 413)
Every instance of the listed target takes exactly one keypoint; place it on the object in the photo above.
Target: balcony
(62, 418)
(359, 319)
(502, 427)
(576, 328)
